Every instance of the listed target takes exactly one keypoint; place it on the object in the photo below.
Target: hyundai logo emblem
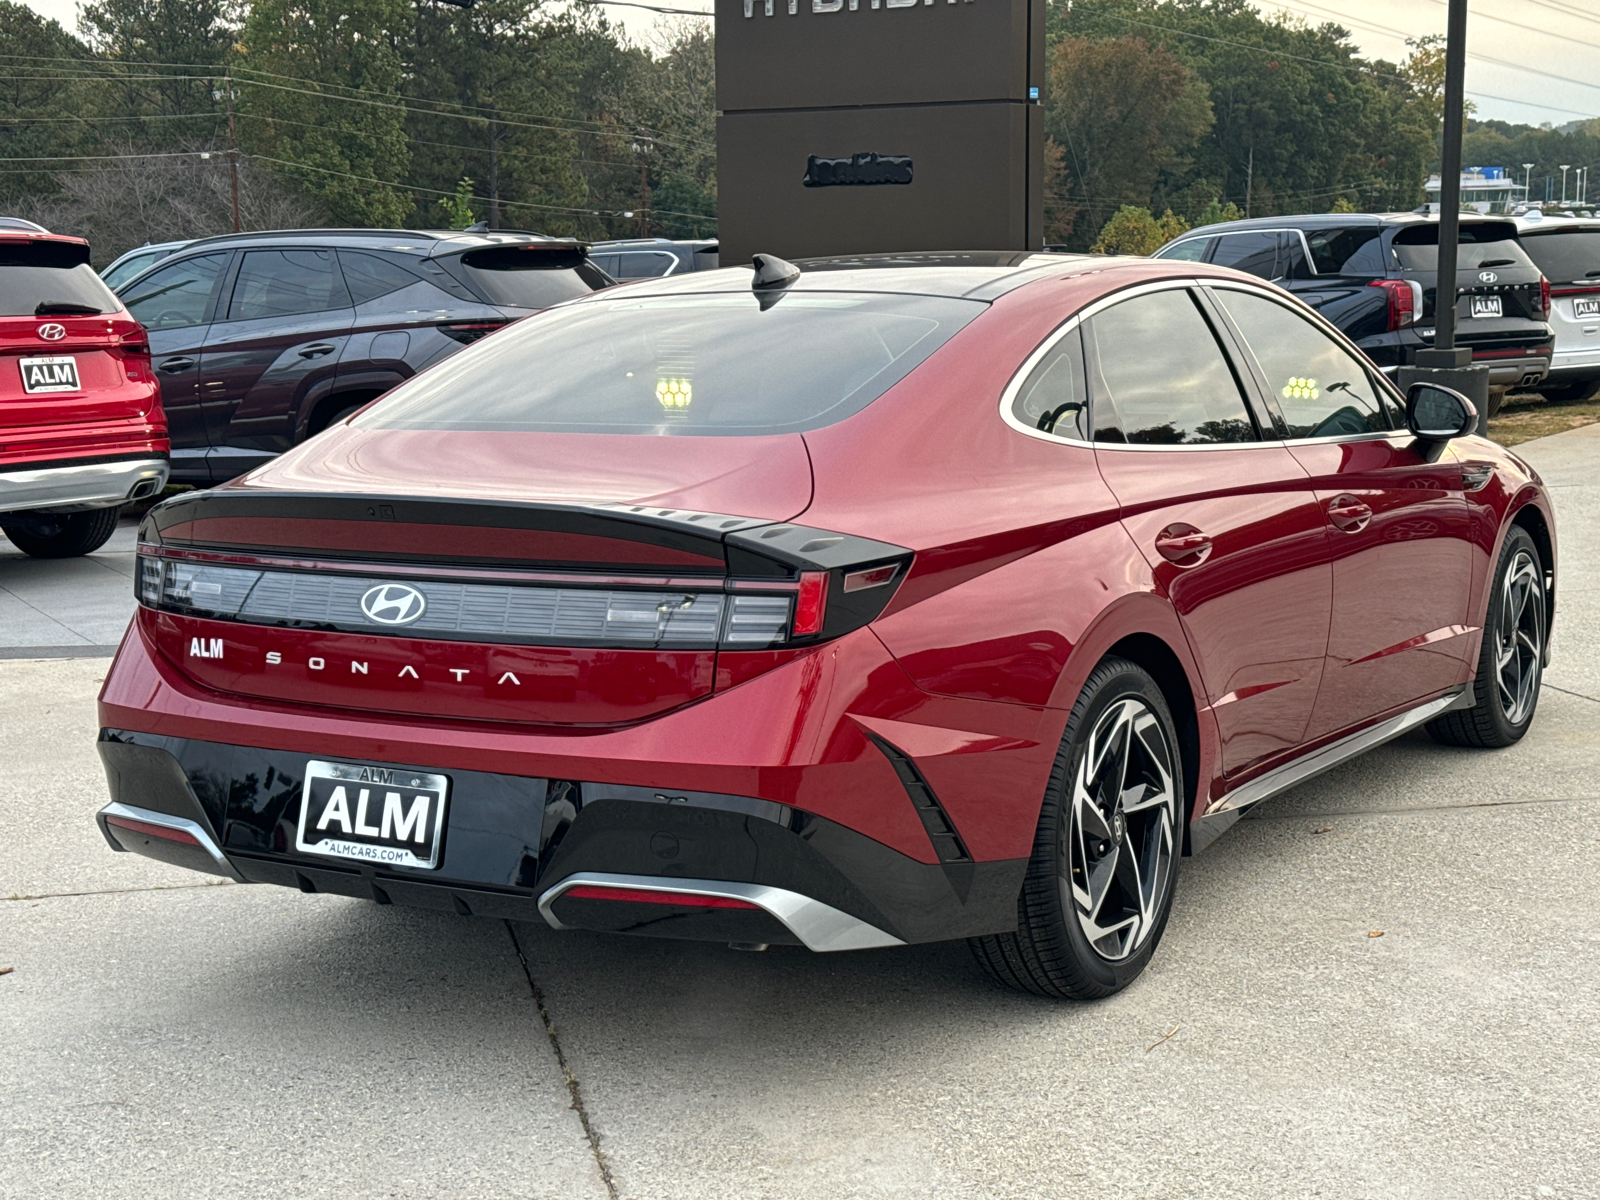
(393, 604)
(1487, 277)
(52, 332)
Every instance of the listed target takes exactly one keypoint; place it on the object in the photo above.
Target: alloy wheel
(1519, 647)
(1122, 834)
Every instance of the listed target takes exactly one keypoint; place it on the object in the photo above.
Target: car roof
(427, 241)
(958, 274)
(14, 236)
(1327, 221)
(651, 243)
(22, 223)
(1555, 223)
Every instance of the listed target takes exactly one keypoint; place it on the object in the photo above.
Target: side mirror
(1436, 414)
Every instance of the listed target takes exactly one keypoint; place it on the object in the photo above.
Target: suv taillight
(1544, 296)
(467, 332)
(134, 350)
(1402, 302)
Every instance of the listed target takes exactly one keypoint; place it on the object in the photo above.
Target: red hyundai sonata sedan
(871, 602)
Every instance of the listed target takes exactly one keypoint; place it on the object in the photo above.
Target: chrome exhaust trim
(166, 821)
(819, 926)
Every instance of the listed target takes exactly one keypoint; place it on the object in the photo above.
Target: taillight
(810, 603)
(1544, 296)
(467, 332)
(134, 350)
(1402, 302)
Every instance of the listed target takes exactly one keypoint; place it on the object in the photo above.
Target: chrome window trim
(821, 927)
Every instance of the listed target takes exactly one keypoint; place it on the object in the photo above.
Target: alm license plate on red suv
(58, 373)
(388, 816)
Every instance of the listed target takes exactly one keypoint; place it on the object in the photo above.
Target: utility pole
(1444, 363)
(233, 148)
(1564, 168)
(1249, 179)
(1527, 175)
(494, 173)
(642, 145)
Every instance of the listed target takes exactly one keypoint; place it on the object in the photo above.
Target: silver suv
(1567, 250)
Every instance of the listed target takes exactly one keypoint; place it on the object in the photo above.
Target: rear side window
(1570, 256)
(369, 276)
(1346, 251)
(532, 276)
(1193, 250)
(51, 278)
(717, 364)
(645, 264)
(1160, 377)
(1255, 252)
(1321, 389)
(285, 283)
(1053, 398)
(1483, 244)
(175, 296)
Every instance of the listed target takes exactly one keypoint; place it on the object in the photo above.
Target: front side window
(129, 267)
(1160, 376)
(1053, 398)
(285, 283)
(1321, 389)
(711, 364)
(175, 297)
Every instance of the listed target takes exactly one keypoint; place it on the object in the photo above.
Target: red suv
(81, 426)
(852, 605)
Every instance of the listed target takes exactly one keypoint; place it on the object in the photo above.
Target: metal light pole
(1444, 363)
(1564, 167)
(1527, 177)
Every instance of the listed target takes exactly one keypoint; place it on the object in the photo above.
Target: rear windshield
(528, 277)
(35, 282)
(1570, 256)
(1491, 244)
(717, 364)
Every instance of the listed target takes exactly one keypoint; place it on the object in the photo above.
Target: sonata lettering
(212, 648)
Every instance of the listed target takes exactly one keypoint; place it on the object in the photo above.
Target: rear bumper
(68, 485)
(515, 846)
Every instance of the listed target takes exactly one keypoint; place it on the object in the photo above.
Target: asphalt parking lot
(1384, 984)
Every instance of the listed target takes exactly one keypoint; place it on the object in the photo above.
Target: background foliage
(374, 112)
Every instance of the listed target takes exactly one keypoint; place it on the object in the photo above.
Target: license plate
(56, 374)
(384, 815)
(1587, 307)
(1486, 306)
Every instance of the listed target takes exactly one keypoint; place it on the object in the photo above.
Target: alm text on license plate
(1485, 306)
(58, 373)
(389, 816)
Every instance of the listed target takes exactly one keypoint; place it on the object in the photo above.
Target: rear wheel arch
(1531, 518)
(1166, 668)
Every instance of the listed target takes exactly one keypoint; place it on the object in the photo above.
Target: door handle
(1183, 545)
(1349, 514)
(172, 365)
(319, 349)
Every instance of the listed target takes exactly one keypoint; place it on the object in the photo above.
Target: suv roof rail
(437, 235)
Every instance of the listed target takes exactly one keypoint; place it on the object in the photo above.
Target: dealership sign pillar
(853, 126)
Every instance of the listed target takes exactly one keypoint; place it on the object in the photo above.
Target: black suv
(261, 340)
(1375, 276)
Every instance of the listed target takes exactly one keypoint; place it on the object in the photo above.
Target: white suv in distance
(1567, 250)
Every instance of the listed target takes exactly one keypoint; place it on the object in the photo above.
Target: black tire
(1565, 393)
(1511, 660)
(1051, 953)
(64, 535)
(1496, 398)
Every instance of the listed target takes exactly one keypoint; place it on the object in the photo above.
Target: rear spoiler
(39, 250)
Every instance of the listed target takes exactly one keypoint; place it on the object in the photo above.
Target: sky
(1539, 63)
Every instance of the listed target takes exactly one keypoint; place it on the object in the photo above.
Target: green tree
(319, 84)
(179, 46)
(1134, 230)
(37, 111)
(1121, 112)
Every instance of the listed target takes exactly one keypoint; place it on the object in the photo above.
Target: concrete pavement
(66, 607)
(160, 1038)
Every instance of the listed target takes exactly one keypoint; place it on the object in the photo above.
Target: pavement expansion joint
(154, 887)
(601, 1164)
(1579, 695)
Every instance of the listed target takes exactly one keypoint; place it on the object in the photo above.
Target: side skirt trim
(1205, 829)
(821, 927)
